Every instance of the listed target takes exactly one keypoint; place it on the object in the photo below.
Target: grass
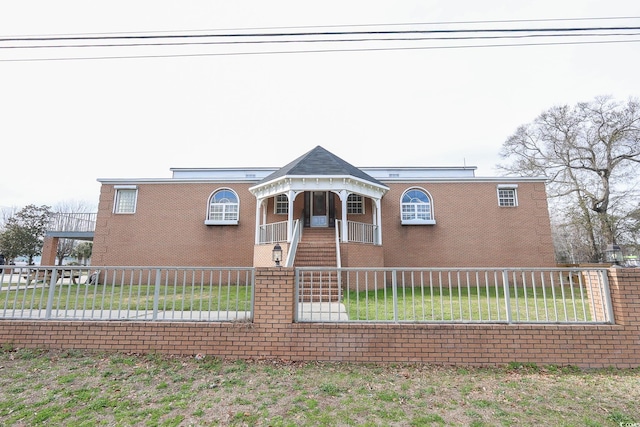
(414, 304)
(74, 388)
(131, 297)
(468, 304)
(428, 303)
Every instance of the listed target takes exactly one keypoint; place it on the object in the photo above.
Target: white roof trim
(288, 183)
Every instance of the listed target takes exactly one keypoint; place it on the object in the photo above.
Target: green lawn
(72, 388)
(469, 304)
(414, 303)
(131, 297)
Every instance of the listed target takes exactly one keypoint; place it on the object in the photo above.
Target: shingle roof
(320, 162)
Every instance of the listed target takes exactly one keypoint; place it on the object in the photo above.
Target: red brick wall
(361, 255)
(168, 228)
(49, 249)
(274, 335)
(471, 230)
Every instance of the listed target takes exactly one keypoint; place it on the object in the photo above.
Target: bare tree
(591, 154)
(66, 247)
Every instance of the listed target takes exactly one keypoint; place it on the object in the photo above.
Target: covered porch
(318, 190)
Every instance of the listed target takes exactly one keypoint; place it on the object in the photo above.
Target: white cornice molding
(331, 183)
(318, 183)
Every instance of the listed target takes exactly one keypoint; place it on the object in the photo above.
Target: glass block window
(125, 201)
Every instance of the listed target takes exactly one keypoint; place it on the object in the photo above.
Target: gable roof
(320, 162)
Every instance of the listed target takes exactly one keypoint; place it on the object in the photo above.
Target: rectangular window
(355, 204)
(416, 211)
(507, 197)
(126, 199)
(282, 204)
(220, 212)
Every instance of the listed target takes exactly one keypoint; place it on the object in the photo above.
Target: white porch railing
(338, 256)
(360, 232)
(357, 232)
(274, 232)
(293, 247)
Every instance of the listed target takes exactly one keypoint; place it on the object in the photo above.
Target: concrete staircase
(318, 249)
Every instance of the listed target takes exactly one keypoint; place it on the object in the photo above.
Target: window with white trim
(125, 200)
(281, 206)
(355, 204)
(416, 207)
(223, 208)
(507, 196)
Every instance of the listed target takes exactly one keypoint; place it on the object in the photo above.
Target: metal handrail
(78, 222)
(293, 246)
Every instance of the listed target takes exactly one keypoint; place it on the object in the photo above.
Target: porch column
(378, 221)
(345, 228)
(290, 197)
(258, 206)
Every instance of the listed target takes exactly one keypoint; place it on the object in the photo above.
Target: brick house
(381, 217)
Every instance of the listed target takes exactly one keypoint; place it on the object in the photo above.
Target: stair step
(317, 248)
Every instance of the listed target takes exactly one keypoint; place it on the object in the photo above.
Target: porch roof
(326, 170)
(320, 162)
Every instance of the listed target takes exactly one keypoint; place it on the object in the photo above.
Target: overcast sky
(65, 123)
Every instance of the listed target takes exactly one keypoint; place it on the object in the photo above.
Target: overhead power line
(555, 31)
(405, 24)
(376, 49)
(333, 40)
(609, 34)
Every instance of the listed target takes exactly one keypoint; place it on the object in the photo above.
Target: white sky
(66, 123)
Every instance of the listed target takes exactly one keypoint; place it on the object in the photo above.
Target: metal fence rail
(516, 295)
(72, 222)
(127, 293)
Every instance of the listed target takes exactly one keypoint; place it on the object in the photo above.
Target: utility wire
(322, 33)
(341, 40)
(511, 21)
(315, 51)
(251, 37)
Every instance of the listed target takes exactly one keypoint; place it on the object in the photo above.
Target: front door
(319, 217)
(319, 209)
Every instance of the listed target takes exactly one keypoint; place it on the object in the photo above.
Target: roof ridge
(320, 161)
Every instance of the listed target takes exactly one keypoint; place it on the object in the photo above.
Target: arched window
(223, 208)
(416, 207)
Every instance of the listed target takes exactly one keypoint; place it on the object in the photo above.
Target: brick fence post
(624, 285)
(593, 282)
(273, 295)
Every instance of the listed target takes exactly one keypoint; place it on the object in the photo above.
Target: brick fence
(274, 335)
